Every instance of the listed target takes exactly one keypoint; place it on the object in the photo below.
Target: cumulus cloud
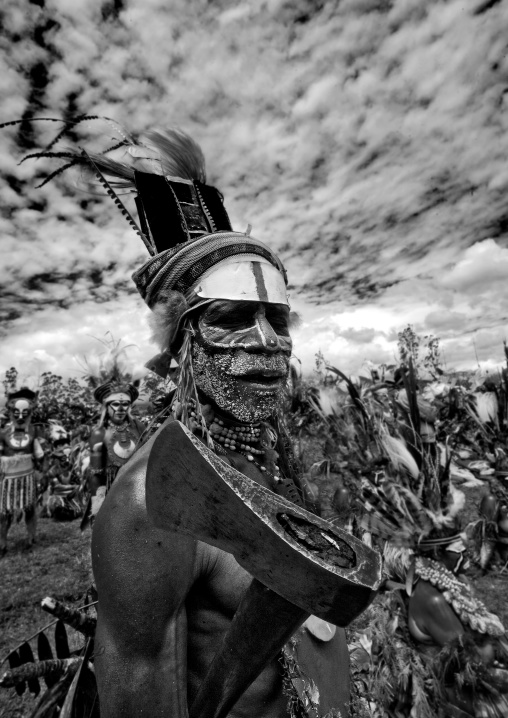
(363, 140)
(482, 265)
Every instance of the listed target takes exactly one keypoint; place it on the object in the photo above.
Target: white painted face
(21, 411)
(118, 407)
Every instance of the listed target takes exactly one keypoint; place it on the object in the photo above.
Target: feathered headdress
(196, 257)
(111, 371)
(23, 393)
(112, 387)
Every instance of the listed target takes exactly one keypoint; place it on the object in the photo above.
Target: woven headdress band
(23, 393)
(181, 267)
(104, 390)
(183, 221)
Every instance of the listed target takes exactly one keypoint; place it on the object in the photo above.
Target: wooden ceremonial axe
(301, 564)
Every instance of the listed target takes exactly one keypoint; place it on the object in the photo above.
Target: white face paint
(21, 411)
(118, 407)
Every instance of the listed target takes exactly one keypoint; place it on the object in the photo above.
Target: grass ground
(58, 565)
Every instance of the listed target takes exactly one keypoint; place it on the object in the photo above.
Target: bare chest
(210, 608)
(17, 441)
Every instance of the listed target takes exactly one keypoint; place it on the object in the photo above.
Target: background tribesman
(21, 454)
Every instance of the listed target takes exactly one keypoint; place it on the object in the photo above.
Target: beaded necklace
(241, 438)
(469, 609)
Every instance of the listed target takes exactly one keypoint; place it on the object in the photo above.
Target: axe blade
(308, 561)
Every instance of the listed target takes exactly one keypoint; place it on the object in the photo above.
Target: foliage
(68, 401)
(410, 346)
(10, 380)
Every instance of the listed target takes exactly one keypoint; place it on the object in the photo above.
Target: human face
(118, 407)
(21, 411)
(240, 354)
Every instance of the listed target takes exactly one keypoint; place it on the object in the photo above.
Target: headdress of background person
(105, 393)
(23, 393)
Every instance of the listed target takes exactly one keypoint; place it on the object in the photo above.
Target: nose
(268, 341)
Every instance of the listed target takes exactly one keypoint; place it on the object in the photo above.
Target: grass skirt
(18, 489)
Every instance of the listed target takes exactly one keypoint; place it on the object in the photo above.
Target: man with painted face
(20, 454)
(220, 308)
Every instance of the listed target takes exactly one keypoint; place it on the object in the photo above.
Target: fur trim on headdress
(165, 318)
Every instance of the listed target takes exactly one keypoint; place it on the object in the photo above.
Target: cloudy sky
(364, 140)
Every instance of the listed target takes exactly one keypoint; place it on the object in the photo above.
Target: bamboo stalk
(41, 630)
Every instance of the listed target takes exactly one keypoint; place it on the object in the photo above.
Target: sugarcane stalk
(41, 630)
(73, 617)
(52, 668)
(262, 624)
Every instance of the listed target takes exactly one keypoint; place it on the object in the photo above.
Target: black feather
(45, 654)
(15, 661)
(53, 155)
(70, 125)
(11, 123)
(61, 641)
(111, 192)
(26, 656)
(54, 174)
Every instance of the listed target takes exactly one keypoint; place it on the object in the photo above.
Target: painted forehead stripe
(250, 280)
(260, 282)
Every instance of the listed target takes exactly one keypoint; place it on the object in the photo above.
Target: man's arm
(97, 462)
(143, 576)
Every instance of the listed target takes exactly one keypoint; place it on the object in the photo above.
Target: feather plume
(169, 152)
(397, 453)
(178, 154)
(123, 209)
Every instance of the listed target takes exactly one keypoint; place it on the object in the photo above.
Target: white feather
(398, 454)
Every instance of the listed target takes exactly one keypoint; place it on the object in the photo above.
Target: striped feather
(125, 212)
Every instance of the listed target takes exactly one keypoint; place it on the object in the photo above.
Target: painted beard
(249, 386)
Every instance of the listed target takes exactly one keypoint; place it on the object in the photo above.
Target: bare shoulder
(134, 563)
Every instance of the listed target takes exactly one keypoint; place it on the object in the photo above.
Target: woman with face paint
(20, 454)
(114, 439)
